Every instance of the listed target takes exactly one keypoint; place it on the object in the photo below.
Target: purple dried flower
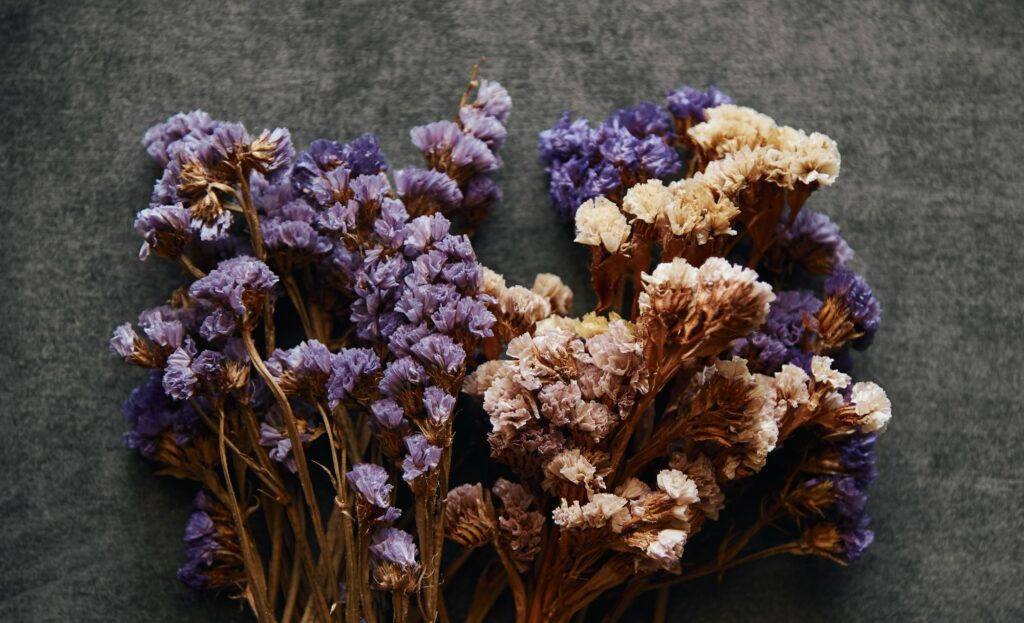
(421, 458)
(567, 139)
(364, 156)
(349, 368)
(480, 193)
(166, 329)
(687, 103)
(149, 413)
(642, 120)
(371, 482)
(123, 342)
(159, 139)
(179, 379)
(236, 284)
(388, 415)
(218, 324)
(811, 241)
(494, 100)
(854, 293)
(440, 352)
(425, 191)
(396, 547)
(402, 376)
(779, 340)
(165, 230)
(436, 138)
(857, 458)
(439, 405)
(485, 127)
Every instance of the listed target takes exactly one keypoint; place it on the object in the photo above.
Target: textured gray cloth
(923, 98)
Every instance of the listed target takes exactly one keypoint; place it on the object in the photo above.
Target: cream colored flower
(791, 386)
(599, 222)
(573, 467)
(552, 288)
(667, 549)
(670, 286)
(695, 213)
(647, 201)
(494, 283)
(678, 486)
(729, 128)
(816, 159)
(523, 307)
(734, 172)
(821, 368)
(872, 406)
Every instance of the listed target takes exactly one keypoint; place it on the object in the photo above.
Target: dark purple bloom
(854, 293)
(149, 413)
(218, 324)
(687, 103)
(856, 539)
(658, 158)
(405, 337)
(811, 241)
(480, 193)
(857, 458)
(234, 283)
(421, 457)
(642, 120)
(780, 339)
(165, 229)
(619, 147)
(349, 368)
(364, 156)
(567, 139)
(208, 365)
(371, 482)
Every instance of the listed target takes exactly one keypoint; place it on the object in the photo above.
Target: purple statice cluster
(782, 337)
(631, 146)
(459, 154)
(419, 293)
(811, 242)
(155, 419)
(844, 530)
(852, 293)
(200, 157)
(212, 555)
(393, 551)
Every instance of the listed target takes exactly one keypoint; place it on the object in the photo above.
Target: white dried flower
(821, 368)
(678, 486)
(599, 222)
(667, 549)
(648, 202)
(872, 406)
(791, 386)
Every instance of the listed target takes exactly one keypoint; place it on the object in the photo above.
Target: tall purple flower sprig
(459, 154)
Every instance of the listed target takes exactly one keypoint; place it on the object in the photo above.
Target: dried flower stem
(303, 469)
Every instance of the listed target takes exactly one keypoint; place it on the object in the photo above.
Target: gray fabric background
(924, 99)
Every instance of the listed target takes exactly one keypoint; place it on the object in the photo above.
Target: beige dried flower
(600, 223)
(469, 516)
(555, 291)
(648, 202)
(696, 214)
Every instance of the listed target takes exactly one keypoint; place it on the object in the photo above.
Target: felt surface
(923, 98)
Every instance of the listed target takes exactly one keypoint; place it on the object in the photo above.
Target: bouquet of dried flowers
(307, 377)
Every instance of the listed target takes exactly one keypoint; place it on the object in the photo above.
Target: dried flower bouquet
(313, 362)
